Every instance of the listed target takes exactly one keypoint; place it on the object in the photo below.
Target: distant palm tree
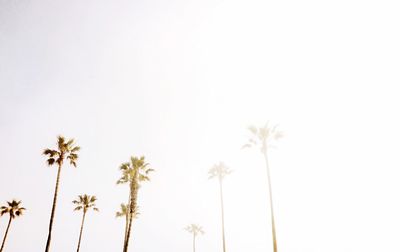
(65, 150)
(124, 212)
(262, 138)
(14, 210)
(133, 172)
(84, 202)
(195, 230)
(220, 171)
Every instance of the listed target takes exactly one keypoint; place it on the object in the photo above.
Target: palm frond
(77, 208)
(149, 170)
(246, 146)
(143, 178)
(50, 152)
(75, 149)
(70, 142)
(50, 161)
(60, 142)
(253, 129)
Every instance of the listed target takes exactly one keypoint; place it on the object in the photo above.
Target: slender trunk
(5, 235)
(53, 209)
(80, 233)
(127, 218)
(128, 234)
(194, 242)
(134, 188)
(222, 215)
(270, 202)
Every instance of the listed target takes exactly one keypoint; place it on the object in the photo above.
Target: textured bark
(53, 209)
(5, 235)
(134, 191)
(275, 245)
(80, 233)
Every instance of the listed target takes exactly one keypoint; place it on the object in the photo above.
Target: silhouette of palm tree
(14, 209)
(263, 137)
(84, 203)
(133, 172)
(65, 150)
(195, 230)
(220, 171)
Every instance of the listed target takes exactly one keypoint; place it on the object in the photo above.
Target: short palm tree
(65, 150)
(14, 209)
(84, 203)
(124, 212)
(220, 171)
(263, 137)
(195, 230)
(133, 173)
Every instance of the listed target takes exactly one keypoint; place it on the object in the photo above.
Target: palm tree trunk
(53, 209)
(222, 215)
(134, 189)
(194, 242)
(5, 235)
(270, 202)
(127, 218)
(80, 233)
(128, 234)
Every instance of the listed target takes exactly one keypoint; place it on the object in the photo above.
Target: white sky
(179, 81)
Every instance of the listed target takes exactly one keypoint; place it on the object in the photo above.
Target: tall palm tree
(124, 212)
(220, 171)
(14, 209)
(84, 203)
(65, 150)
(263, 137)
(195, 230)
(133, 173)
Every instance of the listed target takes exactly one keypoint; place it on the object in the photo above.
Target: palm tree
(65, 150)
(84, 202)
(124, 212)
(133, 172)
(262, 138)
(220, 171)
(14, 210)
(195, 230)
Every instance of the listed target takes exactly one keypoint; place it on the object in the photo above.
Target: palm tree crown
(85, 202)
(64, 148)
(137, 168)
(13, 208)
(194, 229)
(263, 136)
(219, 171)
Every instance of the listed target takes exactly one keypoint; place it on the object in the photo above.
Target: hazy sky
(179, 81)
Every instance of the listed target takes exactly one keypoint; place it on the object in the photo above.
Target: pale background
(179, 81)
